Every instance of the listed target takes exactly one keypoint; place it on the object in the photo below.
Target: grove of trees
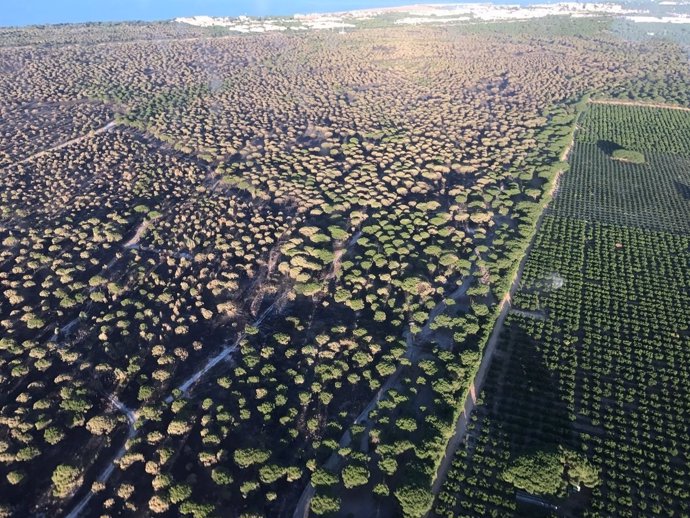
(236, 269)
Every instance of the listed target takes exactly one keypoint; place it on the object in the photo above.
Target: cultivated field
(255, 275)
(594, 354)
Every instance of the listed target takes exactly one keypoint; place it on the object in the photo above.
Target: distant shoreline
(278, 11)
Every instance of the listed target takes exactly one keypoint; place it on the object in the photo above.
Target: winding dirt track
(141, 229)
(104, 475)
(227, 350)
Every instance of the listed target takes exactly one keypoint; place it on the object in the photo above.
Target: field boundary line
(640, 104)
(505, 305)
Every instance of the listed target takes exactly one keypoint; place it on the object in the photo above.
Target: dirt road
(141, 229)
(412, 353)
(226, 351)
(108, 470)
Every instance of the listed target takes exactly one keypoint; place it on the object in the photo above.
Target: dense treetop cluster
(258, 272)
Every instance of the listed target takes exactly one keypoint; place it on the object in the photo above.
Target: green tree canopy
(627, 155)
(65, 479)
(414, 500)
(539, 473)
(354, 475)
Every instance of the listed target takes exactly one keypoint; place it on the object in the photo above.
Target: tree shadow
(683, 189)
(608, 146)
(531, 402)
(530, 411)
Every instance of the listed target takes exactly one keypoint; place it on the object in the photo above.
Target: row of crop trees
(134, 319)
(595, 367)
(598, 388)
(622, 196)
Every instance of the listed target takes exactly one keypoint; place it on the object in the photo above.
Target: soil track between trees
(185, 388)
(487, 356)
(107, 127)
(141, 229)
